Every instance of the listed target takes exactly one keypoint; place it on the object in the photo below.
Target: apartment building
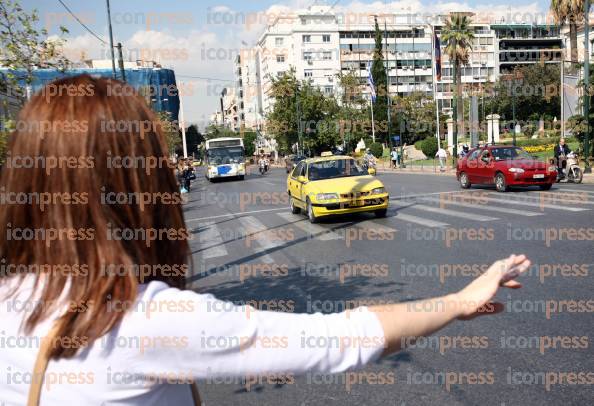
(318, 45)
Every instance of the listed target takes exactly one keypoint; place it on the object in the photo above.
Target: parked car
(504, 166)
(292, 160)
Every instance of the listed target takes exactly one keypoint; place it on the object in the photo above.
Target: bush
(418, 144)
(429, 147)
(377, 149)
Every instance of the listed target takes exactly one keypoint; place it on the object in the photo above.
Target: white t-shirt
(172, 335)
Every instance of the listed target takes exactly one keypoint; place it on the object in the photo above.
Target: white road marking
(418, 220)
(212, 244)
(258, 233)
(535, 204)
(241, 213)
(575, 190)
(488, 208)
(313, 230)
(448, 212)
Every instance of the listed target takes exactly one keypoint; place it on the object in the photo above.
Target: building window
(328, 90)
(278, 42)
(325, 38)
(307, 56)
(308, 73)
(306, 38)
(327, 55)
(280, 58)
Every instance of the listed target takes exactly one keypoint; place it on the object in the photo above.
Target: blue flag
(370, 82)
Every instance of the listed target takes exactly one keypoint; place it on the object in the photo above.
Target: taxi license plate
(357, 203)
(538, 176)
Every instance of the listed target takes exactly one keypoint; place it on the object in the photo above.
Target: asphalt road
(436, 236)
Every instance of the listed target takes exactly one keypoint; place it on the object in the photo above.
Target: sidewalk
(434, 170)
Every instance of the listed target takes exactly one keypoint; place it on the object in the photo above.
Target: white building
(319, 45)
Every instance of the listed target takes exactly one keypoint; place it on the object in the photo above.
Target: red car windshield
(501, 154)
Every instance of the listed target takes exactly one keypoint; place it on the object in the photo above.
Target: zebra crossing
(263, 228)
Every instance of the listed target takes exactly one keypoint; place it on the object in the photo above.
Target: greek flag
(370, 82)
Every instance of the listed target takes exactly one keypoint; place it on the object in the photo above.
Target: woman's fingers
(512, 284)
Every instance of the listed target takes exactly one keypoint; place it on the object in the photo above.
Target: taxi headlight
(378, 191)
(516, 170)
(326, 196)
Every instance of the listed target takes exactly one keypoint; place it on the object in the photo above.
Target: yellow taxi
(332, 185)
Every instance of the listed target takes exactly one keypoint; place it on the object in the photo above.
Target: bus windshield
(224, 156)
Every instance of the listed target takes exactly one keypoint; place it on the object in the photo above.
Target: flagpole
(372, 122)
(434, 73)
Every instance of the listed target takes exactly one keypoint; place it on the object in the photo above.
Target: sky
(200, 38)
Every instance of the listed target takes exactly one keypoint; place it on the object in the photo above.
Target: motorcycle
(263, 168)
(369, 166)
(572, 172)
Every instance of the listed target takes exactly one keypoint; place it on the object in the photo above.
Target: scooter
(572, 172)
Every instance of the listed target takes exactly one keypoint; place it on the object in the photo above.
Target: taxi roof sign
(326, 153)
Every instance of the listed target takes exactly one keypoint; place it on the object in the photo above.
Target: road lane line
(551, 196)
(575, 190)
(241, 213)
(535, 204)
(313, 230)
(255, 231)
(212, 244)
(488, 208)
(448, 212)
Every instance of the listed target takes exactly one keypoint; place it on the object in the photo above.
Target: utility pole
(587, 168)
(514, 109)
(121, 62)
(113, 66)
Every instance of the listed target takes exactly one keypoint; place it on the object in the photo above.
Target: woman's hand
(475, 299)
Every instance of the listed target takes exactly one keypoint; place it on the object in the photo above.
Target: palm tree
(570, 13)
(457, 37)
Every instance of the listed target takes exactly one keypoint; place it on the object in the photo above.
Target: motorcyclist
(368, 159)
(561, 152)
(465, 150)
(262, 164)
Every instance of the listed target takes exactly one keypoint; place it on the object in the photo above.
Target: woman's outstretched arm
(405, 321)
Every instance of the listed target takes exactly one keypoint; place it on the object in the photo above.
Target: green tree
(24, 47)
(457, 35)
(569, 13)
(193, 138)
(249, 138)
(353, 116)
(378, 71)
(171, 132)
(302, 113)
(281, 122)
(218, 131)
(415, 116)
(535, 89)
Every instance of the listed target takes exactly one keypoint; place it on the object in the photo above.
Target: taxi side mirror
(301, 179)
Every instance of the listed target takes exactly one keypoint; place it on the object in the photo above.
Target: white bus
(225, 158)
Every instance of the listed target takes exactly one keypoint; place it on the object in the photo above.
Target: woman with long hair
(94, 255)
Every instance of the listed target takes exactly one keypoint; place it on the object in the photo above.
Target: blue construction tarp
(158, 82)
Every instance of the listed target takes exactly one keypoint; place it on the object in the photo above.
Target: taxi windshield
(334, 168)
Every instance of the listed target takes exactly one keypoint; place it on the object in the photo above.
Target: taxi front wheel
(381, 213)
(310, 213)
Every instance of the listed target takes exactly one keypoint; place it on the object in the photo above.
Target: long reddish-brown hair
(82, 123)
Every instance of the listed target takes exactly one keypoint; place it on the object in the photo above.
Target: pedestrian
(394, 156)
(133, 289)
(442, 155)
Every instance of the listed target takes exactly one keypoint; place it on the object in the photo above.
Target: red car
(504, 166)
